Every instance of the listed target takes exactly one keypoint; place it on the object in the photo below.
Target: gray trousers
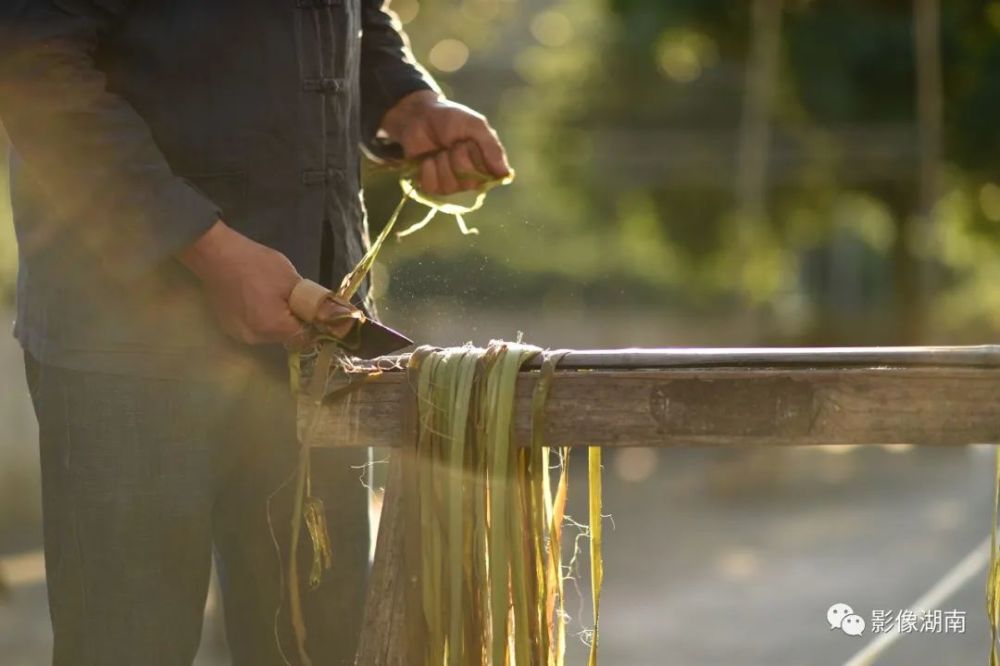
(142, 477)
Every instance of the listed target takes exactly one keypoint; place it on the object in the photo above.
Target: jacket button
(322, 176)
(324, 85)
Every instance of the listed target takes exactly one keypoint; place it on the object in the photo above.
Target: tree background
(623, 119)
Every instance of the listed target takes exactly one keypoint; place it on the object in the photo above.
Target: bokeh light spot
(679, 63)
(552, 28)
(682, 55)
(406, 10)
(449, 55)
(480, 10)
(635, 465)
(989, 201)
(738, 564)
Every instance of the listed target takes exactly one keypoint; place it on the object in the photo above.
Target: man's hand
(452, 142)
(247, 283)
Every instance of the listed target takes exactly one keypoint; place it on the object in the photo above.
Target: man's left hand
(453, 143)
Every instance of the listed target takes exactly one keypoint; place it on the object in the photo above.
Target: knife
(332, 316)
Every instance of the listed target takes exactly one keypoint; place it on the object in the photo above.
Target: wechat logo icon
(841, 616)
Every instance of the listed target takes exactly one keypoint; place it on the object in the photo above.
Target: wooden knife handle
(315, 304)
(306, 299)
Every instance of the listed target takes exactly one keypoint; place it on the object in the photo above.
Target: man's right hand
(247, 283)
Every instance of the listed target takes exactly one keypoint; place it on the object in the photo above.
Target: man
(176, 166)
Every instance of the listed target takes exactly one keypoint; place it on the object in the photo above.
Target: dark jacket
(135, 124)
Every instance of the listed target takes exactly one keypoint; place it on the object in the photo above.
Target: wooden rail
(736, 397)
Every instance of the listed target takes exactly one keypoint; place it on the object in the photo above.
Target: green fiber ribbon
(456, 205)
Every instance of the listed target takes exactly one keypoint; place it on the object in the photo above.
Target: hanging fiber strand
(491, 583)
(993, 581)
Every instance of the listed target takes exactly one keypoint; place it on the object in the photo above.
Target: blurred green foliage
(622, 118)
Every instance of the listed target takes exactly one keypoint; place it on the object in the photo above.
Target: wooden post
(383, 640)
